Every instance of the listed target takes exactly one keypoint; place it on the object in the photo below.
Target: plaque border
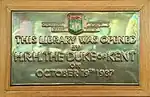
(74, 5)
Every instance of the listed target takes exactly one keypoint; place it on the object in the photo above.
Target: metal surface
(59, 48)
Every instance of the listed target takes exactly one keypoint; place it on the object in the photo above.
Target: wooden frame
(45, 91)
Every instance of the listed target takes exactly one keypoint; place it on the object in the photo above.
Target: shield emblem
(75, 23)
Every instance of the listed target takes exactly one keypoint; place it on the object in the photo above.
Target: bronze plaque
(75, 48)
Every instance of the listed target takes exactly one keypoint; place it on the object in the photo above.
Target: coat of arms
(75, 23)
